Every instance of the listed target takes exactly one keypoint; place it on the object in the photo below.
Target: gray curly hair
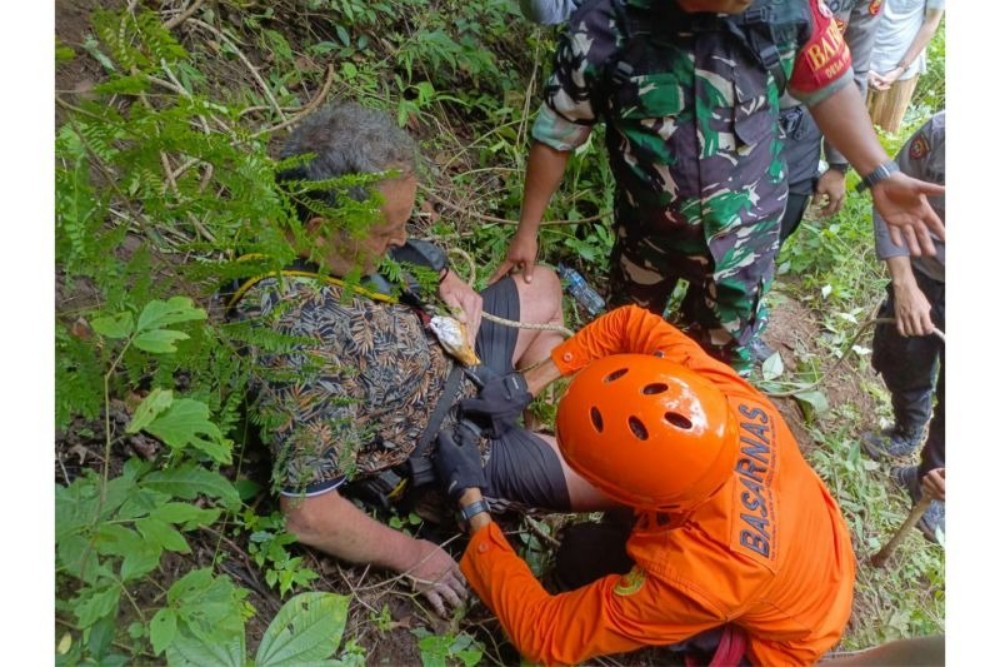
(347, 139)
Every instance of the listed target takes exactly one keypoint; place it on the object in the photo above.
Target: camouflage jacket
(692, 115)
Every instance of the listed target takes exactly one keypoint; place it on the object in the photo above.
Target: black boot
(895, 442)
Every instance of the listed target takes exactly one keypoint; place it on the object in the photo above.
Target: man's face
(715, 6)
(366, 253)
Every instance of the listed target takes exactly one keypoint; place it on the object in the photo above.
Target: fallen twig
(307, 109)
(183, 16)
(879, 559)
(246, 61)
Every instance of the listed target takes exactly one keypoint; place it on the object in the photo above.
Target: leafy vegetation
(165, 177)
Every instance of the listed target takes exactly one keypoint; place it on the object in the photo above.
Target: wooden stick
(878, 560)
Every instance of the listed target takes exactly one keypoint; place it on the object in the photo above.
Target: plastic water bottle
(584, 294)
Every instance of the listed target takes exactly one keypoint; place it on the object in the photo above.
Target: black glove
(499, 404)
(457, 460)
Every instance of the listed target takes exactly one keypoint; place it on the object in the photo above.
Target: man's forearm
(901, 272)
(333, 524)
(540, 376)
(543, 175)
(923, 37)
(844, 121)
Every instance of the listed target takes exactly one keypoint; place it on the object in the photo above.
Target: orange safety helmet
(648, 432)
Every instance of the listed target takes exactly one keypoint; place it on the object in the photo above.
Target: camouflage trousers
(723, 307)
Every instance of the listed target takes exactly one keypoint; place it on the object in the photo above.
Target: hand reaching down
(435, 575)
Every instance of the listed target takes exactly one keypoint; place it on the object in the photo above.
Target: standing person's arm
(922, 156)
(899, 199)
(859, 35)
(913, 310)
(628, 330)
(544, 173)
(932, 19)
(824, 85)
(564, 122)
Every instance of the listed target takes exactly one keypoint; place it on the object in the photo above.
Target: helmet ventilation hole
(655, 388)
(614, 375)
(678, 420)
(597, 419)
(638, 428)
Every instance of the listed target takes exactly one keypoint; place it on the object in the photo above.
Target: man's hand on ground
(902, 203)
(932, 484)
(435, 575)
(466, 301)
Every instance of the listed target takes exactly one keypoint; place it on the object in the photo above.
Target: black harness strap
(419, 465)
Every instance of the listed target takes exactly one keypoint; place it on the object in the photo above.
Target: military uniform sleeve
(631, 329)
(823, 61)
(922, 157)
(573, 95)
(614, 614)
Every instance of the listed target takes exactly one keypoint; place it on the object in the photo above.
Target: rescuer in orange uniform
(733, 526)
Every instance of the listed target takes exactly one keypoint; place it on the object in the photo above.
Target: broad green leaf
(78, 557)
(162, 629)
(191, 480)
(91, 605)
(186, 423)
(209, 608)
(188, 651)
(76, 505)
(816, 399)
(140, 561)
(141, 503)
(99, 638)
(163, 534)
(307, 630)
(65, 643)
(113, 326)
(189, 584)
(772, 367)
(184, 513)
(158, 314)
(116, 540)
(160, 341)
(155, 403)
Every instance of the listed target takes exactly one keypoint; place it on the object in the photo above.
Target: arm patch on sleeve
(631, 582)
(824, 58)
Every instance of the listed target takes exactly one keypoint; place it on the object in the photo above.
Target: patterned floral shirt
(353, 397)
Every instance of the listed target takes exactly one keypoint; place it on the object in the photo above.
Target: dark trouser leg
(634, 278)
(795, 208)
(932, 455)
(908, 363)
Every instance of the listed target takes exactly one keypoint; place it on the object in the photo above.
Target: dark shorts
(521, 469)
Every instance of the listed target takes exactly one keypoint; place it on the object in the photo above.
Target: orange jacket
(769, 552)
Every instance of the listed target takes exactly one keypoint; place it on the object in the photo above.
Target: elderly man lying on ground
(351, 411)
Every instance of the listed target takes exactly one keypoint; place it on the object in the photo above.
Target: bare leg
(583, 497)
(541, 303)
